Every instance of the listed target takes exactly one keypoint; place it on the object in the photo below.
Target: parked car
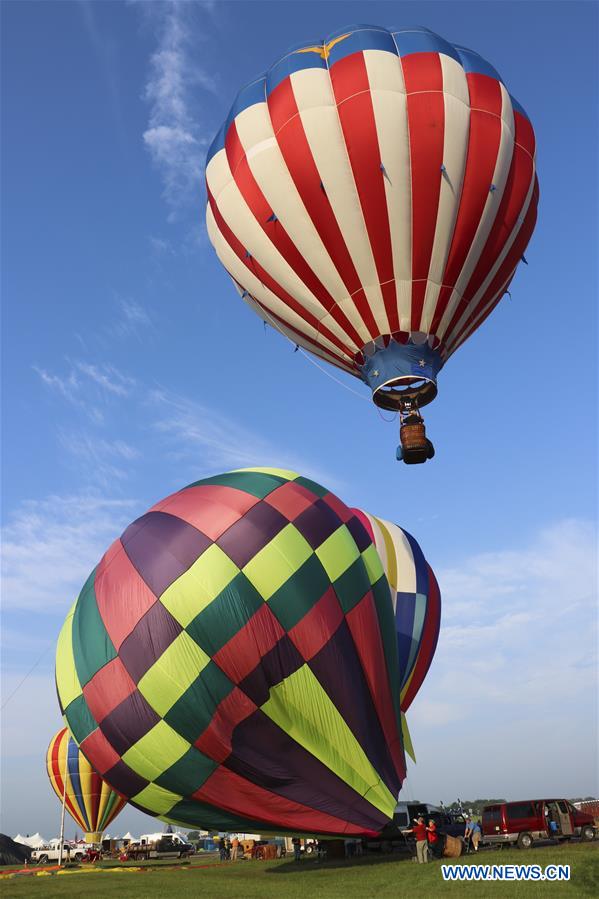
(168, 846)
(535, 819)
(51, 853)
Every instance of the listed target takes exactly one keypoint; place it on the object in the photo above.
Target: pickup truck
(51, 853)
(166, 847)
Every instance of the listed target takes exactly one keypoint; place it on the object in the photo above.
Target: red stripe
(295, 148)
(428, 645)
(59, 769)
(96, 792)
(483, 147)
(503, 276)
(227, 790)
(351, 87)
(317, 627)
(344, 364)
(259, 272)
(245, 650)
(363, 623)
(122, 596)
(426, 122)
(513, 200)
(262, 212)
(215, 741)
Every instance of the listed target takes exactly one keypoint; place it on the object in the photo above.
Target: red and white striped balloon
(376, 187)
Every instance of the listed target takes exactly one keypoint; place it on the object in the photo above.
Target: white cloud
(50, 546)
(107, 377)
(174, 137)
(133, 321)
(98, 456)
(206, 440)
(516, 662)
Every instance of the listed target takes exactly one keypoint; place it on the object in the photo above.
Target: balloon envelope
(371, 196)
(231, 662)
(89, 799)
(416, 601)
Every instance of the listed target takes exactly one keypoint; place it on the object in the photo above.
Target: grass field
(360, 878)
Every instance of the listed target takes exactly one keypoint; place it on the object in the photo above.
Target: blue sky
(131, 368)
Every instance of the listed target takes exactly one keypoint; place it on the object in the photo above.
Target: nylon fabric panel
(323, 130)
(430, 636)
(457, 118)
(232, 207)
(389, 103)
(268, 188)
(349, 78)
(261, 285)
(312, 93)
(471, 320)
(458, 301)
(68, 685)
(302, 694)
(426, 123)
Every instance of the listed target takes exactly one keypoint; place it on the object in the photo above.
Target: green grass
(361, 878)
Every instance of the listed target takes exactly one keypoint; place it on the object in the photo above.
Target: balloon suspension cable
(308, 357)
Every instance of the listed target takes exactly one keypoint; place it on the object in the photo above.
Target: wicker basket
(453, 847)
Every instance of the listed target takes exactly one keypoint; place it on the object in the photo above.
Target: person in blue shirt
(472, 832)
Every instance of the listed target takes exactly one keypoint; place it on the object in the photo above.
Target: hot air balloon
(232, 661)
(90, 801)
(416, 601)
(371, 196)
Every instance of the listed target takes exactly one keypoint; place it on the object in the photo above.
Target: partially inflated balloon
(91, 802)
(232, 662)
(416, 601)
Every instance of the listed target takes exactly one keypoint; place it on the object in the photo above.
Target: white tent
(35, 842)
(129, 836)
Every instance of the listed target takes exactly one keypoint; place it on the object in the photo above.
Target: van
(535, 819)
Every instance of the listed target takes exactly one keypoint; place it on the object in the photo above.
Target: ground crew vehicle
(51, 853)
(167, 846)
(535, 819)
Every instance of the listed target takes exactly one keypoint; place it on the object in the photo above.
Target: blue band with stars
(399, 360)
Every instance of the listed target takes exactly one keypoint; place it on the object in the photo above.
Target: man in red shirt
(419, 831)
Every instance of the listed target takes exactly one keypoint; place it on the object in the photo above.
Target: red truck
(535, 819)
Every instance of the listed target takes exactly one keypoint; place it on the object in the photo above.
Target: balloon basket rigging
(414, 446)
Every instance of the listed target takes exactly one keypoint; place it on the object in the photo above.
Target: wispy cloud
(102, 460)
(175, 138)
(50, 546)
(133, 320)
(107, 377)
(206, 440)
(86, 384)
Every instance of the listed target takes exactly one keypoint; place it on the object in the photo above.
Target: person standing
(297, 849)
(234, 848)
(419, 831)
(434, 842)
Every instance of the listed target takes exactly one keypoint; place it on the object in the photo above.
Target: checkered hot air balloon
(371, 196)
(416, 604)
(232, 662)
(90, 801)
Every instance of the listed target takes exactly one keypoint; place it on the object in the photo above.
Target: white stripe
(388, 93)
(240, 272)
(455, 153)
(500, 174)
(451, 337)
(325, 137)
(240, 219)
(268, 167)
